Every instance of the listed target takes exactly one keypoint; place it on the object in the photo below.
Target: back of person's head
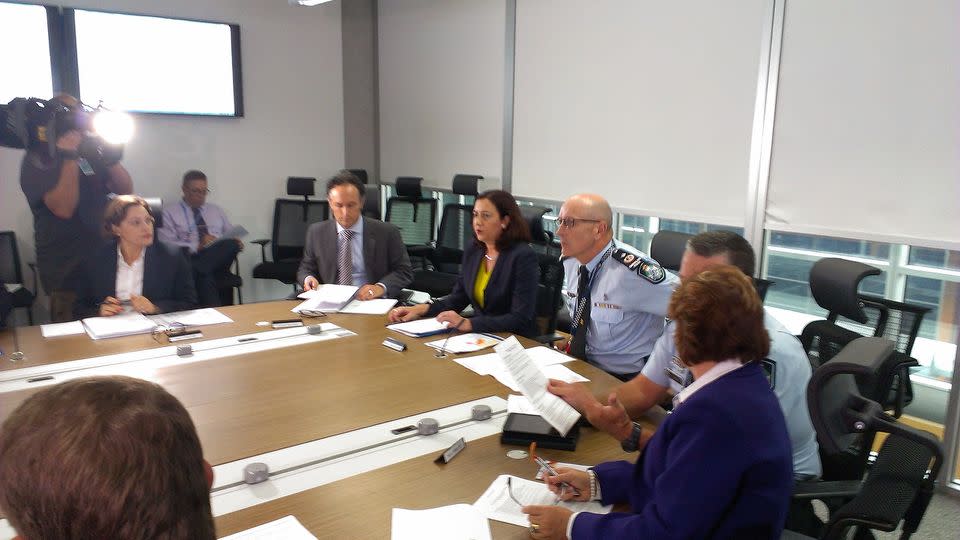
(104, 457)
(193, 175)
(735, 247)
(718, 316)
(517, 229)
(344, 178)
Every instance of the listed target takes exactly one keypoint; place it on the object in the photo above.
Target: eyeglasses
(569, 223)
(197, 191)
(510, 491)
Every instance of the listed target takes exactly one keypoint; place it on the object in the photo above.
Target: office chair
(667, 248)
(12, 274)
(444, 255)
(414, 214)
(539, 235)
(899, 485)
(291, 218)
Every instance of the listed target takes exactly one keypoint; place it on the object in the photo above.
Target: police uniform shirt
(628, 302)
(788, 369)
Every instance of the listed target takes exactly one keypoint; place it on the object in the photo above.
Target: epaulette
(648, 269)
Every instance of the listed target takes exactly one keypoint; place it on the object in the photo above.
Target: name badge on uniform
(85, 167)
(678, 373)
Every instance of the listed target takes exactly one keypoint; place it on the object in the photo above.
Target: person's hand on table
(576, 478)
(370, 292)
(548, 522)
(110, 306)
(143, 304)
(454, 320)
(310, 283)
(407, 313)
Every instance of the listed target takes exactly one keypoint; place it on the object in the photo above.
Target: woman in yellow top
(499, 274)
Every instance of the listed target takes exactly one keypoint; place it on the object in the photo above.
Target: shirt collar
(190, 208)
(356, 227)
(712, 374)
(596, 258)
(139, 261)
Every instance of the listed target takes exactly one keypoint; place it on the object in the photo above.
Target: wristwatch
(632, 442)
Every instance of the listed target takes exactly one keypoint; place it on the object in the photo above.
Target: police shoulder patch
(646, 268)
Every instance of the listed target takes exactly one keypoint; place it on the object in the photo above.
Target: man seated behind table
(104, 457)
(149, 277)
(354, 250)
(617, 296)
(786, 366)
(498, 277)
(719, 465)
(196, 224)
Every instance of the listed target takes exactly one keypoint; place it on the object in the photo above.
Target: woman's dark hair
(517, 229)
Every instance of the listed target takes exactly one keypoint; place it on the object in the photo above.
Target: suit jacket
(720, 466)
(510, 299)
(385, 257)
(167, 279)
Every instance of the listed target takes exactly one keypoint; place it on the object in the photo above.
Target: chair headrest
(155, 204)
(533, 215)
(466, 184)
(667, 248)
(361, 175)
(834, 283)
(301, 186)
(409, 186)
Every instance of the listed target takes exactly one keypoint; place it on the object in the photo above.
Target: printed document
(378, 306)
(124, 324)
(286, 528)
(496, 504)
(61, 329)
(454, 522)
(532, 383)
(419, 327)
(328, 298)
(465, 343)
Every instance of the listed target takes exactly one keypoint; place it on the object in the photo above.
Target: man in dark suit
(354, 250)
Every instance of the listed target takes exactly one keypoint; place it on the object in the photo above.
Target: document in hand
(328, 298)
(419, 328)
(124, 324)
(454, 522)
(532, 383)
(496, 503)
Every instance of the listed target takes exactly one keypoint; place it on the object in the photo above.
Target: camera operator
(67, 194)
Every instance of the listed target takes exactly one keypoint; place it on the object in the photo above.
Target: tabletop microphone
(442, 351)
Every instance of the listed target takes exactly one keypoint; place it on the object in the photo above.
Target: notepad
(125, 324)
(496, 504)
(454, 522)
(328, 298)
(61, 329)
(419, 328)
(377, 306)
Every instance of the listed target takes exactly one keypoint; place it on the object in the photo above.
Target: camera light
(115, 127)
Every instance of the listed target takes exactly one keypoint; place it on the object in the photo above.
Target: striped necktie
(345, 257)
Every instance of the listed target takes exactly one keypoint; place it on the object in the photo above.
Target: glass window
(26, 59)
(841, 246)
(936, 258)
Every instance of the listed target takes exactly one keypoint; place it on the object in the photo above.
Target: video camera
(35, 125)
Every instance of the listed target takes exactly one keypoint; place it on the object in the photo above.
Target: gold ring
(534, 527)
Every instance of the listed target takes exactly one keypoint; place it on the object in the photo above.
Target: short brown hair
(730, 244)
(719, 316)
(517, 229)
(344, 178)
(104, 457)
(117, 211)
(193, 174)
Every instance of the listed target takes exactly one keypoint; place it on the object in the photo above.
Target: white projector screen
(26, 60)
(648, 103)
(158, 65)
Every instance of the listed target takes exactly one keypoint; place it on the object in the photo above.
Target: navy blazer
(167, 279)
(510, 299)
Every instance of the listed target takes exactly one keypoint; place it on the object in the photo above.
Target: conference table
(249, 403)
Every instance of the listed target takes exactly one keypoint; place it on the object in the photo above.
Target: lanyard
(191, 221)
(593, 275)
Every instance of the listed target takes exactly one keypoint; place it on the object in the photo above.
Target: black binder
(524, 429)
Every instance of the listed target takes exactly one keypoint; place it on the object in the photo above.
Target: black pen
(286, 323)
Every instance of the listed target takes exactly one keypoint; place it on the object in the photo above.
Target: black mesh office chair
(414, 214)
(291, 218)
(899, 485)
(444, 256)
(12, 274)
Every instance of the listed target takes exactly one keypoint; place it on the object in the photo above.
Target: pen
(544, 466)
(38, 379)
(241, 340)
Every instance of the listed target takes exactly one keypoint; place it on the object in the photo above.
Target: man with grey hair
(616, 295)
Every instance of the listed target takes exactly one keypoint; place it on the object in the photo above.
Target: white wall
(293, 101)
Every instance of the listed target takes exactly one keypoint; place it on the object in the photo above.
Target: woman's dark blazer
(510, 299)
(167, 279)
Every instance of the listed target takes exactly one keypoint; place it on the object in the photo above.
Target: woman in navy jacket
(499, 274)
(719, 466)
(133, 270)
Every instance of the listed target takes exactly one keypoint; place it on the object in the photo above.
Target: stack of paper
(193, 317)
(495, 503)
(378, 306)
(455, 522)
(328, 298)
(286, 528)
(61, 329)
(419, 328)
(124, 324)
(465, 343)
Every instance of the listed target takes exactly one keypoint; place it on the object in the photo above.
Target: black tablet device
(524, 429)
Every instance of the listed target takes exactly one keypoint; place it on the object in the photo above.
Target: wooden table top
(248, 404)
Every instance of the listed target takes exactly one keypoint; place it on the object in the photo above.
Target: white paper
(61, 329)
(123, 324)
(547, 356)
(13, 287)
(532, 382)
(328, 298)
(519, 404)
(483, 364)
(237, 231)
(465, 343)
(556, 371)
(285, 528)
(192, 317)
(454, 522)
(419, 328)
(378, 306)
(495, 503)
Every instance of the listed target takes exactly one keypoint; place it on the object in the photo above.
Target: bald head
(591, 206)
(586, 226)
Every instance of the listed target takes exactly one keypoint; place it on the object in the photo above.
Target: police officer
(617, 296)
(787, 367)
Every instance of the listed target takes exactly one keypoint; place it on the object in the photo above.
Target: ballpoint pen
(550, 471)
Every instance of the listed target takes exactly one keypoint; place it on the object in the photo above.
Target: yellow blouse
(480, 284)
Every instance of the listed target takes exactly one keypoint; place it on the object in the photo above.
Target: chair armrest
(263, 248)
(815, 489)
(36, 284)
(420, 251)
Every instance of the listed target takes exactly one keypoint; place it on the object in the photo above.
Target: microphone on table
(442, 351)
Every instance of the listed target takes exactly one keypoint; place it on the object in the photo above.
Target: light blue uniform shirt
(627, 310)
(359, 274)
(788, 369)
(180, 227)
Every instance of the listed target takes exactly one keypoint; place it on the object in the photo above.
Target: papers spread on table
(555, 371)
(378, 306)
(532, 382)
(286, 528)
(465, 343)
(548, 359)
(454, 522)
(61, 329)
(132, 323)
(419, 328)
(495, 503)
(328, 298)
(192, 317)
